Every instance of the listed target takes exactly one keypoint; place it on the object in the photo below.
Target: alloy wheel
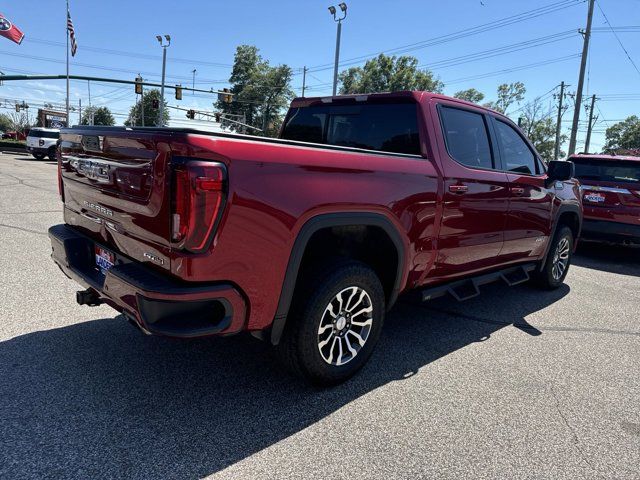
(345, 326)
(560, 259)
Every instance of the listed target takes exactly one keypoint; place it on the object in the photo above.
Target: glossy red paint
(611, 205)
(451, 219)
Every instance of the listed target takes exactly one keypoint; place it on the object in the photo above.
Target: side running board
(470, 287)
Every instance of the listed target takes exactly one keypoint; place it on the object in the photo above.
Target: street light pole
(333, 11)
(164, 66)
(193, 85)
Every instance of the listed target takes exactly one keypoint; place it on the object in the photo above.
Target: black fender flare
(310, 227)
(564, 208)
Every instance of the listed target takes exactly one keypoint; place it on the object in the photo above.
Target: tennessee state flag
(9, 30)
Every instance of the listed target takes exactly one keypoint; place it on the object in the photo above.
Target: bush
(13, 144)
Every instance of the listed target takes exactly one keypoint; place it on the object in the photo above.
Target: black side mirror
(560, 170)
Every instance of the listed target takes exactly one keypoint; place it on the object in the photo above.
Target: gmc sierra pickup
(307, 240)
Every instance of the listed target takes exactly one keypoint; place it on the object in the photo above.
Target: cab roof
(416, 95)
(611, 158)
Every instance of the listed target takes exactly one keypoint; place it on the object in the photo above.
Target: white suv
(41, 142)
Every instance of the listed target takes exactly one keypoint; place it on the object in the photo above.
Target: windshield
(385, 127)
(607, 170)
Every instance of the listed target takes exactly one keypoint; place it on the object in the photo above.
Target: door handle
(459, 189)
(517, 191)
(93, 218)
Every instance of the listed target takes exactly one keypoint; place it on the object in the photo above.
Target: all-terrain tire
(312, 345)
(558, 260)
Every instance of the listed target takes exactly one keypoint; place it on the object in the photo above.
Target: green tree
(508, 94)
(623, 135)
(150, 98)
(101, 116)
(5, 123)
(260, 92)
(388, 74)
(470, 95)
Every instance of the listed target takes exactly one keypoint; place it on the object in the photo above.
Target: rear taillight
(60, 184)
(198, 195)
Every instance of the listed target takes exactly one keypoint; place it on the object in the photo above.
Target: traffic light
(225, 96)
(138, 85)
(191, 114)
(217, 117)
(17, 107)
(155, 103)
(178, 92)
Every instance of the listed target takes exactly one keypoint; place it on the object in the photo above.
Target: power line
(128, 54)
(523, 16)
(513, 69)
(102, 67)
(505, 49)
(617, 37)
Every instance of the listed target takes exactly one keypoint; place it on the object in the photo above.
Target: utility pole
(583, 67)
(79, 111)
(304, 79)
(90, 109)
(590, 126)
(142, 104)
(556, 151)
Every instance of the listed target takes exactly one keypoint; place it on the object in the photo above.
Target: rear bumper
(42, 150)
(606, 231)
(158, 304)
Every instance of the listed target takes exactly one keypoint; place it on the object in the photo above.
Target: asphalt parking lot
(516, 383)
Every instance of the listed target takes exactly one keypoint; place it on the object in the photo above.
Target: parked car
(13, 136)
(307, 240)
(41, 142)
(610, 186)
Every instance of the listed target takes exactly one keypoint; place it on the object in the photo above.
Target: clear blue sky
(206, 33)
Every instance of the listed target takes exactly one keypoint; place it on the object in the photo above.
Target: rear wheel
(334, 324)
(558, 260)
(52, 153)
(38, 156)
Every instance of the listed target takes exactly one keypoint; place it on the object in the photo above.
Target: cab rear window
(607, 170)
(384, 127)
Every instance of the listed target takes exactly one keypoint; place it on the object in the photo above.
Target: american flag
(72, 35)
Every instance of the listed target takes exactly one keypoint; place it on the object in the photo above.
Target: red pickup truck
(307, 240)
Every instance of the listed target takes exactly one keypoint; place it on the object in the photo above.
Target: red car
(307, 240)
(610, 187)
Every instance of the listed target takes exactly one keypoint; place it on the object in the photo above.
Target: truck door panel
(475, 196)
(530, 201)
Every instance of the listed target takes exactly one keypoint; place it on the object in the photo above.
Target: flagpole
(66, 24)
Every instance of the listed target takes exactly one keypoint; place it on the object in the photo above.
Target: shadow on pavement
(97, 399)
(608, 258)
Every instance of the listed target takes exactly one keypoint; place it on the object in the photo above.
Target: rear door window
(517, 157)
(389, 127)
(466, 137)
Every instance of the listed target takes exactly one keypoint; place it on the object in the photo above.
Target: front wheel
(556, 266)
(335, 323)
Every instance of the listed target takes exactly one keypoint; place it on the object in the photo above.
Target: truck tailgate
(115, 188)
